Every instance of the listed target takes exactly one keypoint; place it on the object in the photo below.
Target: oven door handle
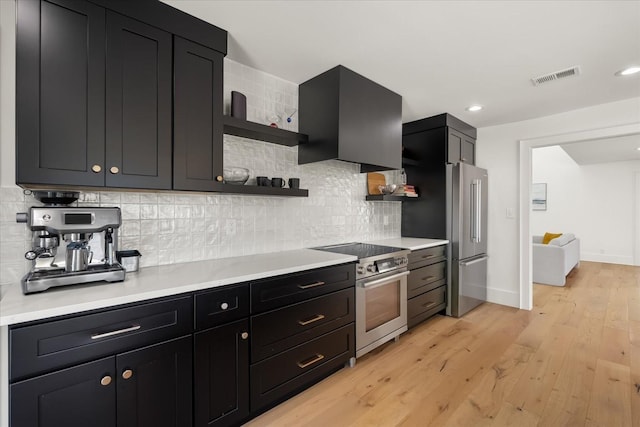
(383, 281)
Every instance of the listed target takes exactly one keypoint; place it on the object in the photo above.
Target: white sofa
(553, 261)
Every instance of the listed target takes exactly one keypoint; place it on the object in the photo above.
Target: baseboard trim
(503, 297)
(608, 259)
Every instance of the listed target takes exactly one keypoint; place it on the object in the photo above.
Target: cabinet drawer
(427, 256)
(221, 305)
(60, 343)
(426, 305)
(291, 288)
(281, 329)
(426, 278)
(280, 376)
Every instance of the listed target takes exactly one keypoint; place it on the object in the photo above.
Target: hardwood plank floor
(574, 360)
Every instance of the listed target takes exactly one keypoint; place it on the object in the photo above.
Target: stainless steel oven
(381, 309)
(381, 292)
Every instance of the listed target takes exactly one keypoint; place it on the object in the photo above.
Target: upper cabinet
(458, 137)
(197, 125)
(98, 87)
(349, 117)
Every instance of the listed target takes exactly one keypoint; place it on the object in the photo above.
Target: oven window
(382, 304)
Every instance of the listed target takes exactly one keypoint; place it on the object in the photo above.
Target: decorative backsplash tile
(173, 227)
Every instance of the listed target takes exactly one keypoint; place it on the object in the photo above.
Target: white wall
(595, 202)
(498, 150)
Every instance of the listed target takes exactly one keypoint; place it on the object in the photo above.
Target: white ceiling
(442, 56)
(618, 149)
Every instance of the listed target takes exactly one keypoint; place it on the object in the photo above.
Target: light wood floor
(573, 360)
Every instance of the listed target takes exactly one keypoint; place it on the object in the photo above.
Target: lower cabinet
(221, 375)
(145, 387)
(427, 284)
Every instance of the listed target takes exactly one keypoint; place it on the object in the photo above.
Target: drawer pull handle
(311, 320)
(118, 332)
(428, 278)
(311, 285)
(315, 359)
(429, 304)
(244, 335)
(127, 373)
(106, 380)
(428, 256)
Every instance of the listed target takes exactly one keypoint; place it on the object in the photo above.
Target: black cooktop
(361, 250)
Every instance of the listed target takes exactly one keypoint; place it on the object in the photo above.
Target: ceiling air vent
(546, 78)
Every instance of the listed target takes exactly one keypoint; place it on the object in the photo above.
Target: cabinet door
(138, 109)
(60, 93)
(154, 385)
(84, 395)
(221, 375)
(197, 116)
(454, 146)
(468, 150)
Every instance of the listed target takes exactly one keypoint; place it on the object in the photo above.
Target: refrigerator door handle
(473, 261)
(475, 210)
(478, 211)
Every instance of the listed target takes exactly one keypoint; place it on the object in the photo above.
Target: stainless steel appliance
(381, 292)
(467, 232)
(71, 245)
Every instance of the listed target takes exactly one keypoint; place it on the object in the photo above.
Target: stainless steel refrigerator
(467, 233)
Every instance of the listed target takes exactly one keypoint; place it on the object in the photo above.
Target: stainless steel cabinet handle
(313, 319)
(96, 168)
(428, 278)
(114, 169)
(127, 373)
(315, 359)
(118, 332)
(428, 256)
(224, 306)
(429, 304)
(311, 285)
(106, 380)
(244, 335)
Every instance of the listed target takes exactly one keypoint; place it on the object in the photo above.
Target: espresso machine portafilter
(71, 245)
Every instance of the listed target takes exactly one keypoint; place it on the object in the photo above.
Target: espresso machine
(70, 245)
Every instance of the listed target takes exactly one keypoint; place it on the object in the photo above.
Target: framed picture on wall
(539, 196)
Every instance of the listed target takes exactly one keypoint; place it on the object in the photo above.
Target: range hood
(349, 117)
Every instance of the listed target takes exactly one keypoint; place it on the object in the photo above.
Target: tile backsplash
(174, 227)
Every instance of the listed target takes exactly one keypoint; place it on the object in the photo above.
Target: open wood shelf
(260, 191)
(260, 132)
(388, 198)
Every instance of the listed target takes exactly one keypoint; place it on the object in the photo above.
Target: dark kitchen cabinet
(221, 358)
(427, 284)
(126, 366)
(60, 95)
(138, 104)
(95, 95)
(302, 330)
(428, 145)
(197, 161)
(221, 375)
(146, 387)
(349, 117)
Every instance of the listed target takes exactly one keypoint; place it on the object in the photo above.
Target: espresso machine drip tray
(38, 281)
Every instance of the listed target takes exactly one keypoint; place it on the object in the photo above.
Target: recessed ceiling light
(473, 108)
(628, 71)
(638, 148)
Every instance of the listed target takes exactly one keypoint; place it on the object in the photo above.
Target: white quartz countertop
(412, 243)
(160, 281)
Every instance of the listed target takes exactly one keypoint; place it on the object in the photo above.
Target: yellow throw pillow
(549, 237)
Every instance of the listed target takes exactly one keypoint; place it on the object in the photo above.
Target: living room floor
(573, 360)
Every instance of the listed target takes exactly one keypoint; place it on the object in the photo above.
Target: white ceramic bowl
(235, 175)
